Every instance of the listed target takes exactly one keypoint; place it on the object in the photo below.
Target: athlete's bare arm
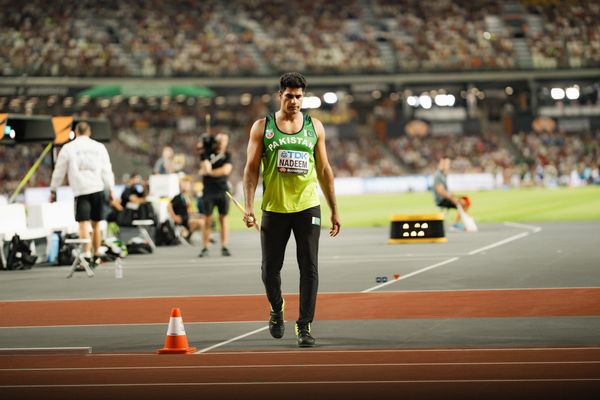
(252, 169)
(325, 176)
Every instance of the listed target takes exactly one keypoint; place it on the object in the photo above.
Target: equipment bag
(166, 235)
(146, 211)
(19, 254)
(138, 245)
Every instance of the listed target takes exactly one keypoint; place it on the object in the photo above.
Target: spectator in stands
(183, 211)
(215, 167)
(442, 197)
(165, 164)
(87, 165)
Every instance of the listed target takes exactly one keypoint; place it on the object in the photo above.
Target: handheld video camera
(208, 146)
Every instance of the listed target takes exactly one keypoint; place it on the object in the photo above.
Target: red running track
(331, 306)
(567, 373)
(367, 374)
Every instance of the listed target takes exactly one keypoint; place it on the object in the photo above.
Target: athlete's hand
(52, 196)
(335, 225)
(249, 218)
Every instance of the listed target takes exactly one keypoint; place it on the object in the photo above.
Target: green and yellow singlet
(288, 166)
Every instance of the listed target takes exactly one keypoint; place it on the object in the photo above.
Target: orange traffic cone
(176, 340)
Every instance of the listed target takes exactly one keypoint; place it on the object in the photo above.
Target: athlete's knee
(309, 271)
(270, 268)
(270, 277)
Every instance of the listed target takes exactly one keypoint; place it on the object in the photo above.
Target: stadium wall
(412, 183)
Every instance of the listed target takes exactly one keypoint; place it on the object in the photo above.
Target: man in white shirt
(87, 164)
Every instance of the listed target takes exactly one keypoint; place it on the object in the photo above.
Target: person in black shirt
(183, 210)
(215, 168)
(134, 191)
(133, 204)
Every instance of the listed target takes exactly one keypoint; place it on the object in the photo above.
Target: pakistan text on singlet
(290, 140)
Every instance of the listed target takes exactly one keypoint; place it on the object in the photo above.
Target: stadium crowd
(570, 38)
(141, 133)
(469, 153)
(559, 158)
(447, 35)
(153, 38)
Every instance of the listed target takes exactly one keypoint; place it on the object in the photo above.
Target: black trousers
(275, 233)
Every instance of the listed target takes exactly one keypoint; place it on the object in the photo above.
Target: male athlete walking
(291, 147)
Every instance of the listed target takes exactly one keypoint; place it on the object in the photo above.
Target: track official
(291, 148)
(87, 164)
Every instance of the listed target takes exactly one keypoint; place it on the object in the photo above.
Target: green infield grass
(517, 205)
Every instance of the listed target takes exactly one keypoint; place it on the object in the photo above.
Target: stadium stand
(136, 38)
(560, 158)
(140, 38)
(564, 35)
(473, 153)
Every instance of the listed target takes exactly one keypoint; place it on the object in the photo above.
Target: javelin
(30, 172)
(241, 208)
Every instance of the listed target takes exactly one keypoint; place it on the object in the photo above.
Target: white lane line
(44, 350)
(420, 271)
(426, 381)
(391, 281)
(217, 354)
(231, 340)
(509, 289)
(175, 296)
(331, 260)
(533, 228)
(440, 350)
(300, 366)
(150, 266)
(125, 325)
(337, 351)
(499, 243)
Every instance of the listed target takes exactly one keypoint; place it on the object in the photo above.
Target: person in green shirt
(290, 148)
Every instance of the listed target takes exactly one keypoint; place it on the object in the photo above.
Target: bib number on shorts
(293, 162)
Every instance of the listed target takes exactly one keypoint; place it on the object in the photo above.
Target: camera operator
(215, 167)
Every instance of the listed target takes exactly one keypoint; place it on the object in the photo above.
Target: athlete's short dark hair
(292, 80)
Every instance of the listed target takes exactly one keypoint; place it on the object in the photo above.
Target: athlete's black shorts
(219, 200)
(89, 207)
(445, 203)
(185, 221)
